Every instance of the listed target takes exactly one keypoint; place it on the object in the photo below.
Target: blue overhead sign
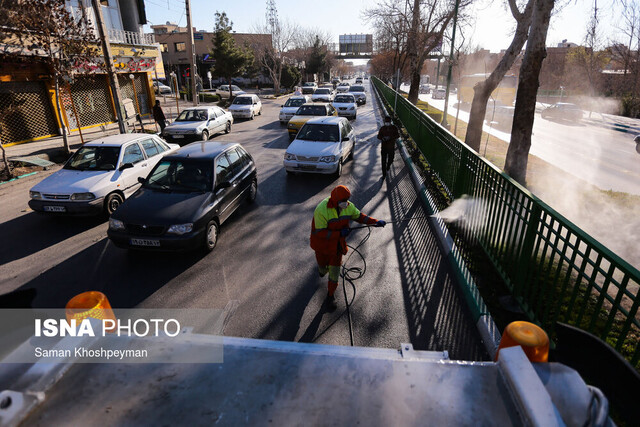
(198, 36)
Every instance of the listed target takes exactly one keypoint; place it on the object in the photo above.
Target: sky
(492, 29)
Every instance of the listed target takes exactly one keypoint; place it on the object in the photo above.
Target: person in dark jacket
(388, 134)
(329, 230)
(158, 116)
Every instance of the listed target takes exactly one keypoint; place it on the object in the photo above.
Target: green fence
(556, 271)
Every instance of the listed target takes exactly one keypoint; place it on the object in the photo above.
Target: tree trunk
(7, 167)
(518, 151)
(65, 140)
(412, 50)
(482, 91)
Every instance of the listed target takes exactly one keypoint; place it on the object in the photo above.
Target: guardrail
(555, 271)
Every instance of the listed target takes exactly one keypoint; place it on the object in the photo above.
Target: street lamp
(135, 96)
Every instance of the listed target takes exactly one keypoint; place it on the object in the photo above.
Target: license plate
(144, 242)
(55, 209)
(178, 136)
(308, 167)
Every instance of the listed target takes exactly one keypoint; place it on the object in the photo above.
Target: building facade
(87, 100)
(173, 41)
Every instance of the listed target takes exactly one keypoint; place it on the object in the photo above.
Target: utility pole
(192, 53)
(108, 62)
(453, 40)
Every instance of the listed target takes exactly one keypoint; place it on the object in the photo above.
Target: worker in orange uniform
(329, 229)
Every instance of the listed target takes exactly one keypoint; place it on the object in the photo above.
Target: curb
(485, 325)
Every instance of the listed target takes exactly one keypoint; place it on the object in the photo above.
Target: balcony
(130, 37)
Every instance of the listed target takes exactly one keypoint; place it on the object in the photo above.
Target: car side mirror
(225, 184)
(346, 138)
(142, 180)
(125, 166)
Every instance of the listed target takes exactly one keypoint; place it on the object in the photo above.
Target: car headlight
(116, 224)
(289, 156)
(35, 195)
(83, 196)
(352, 108)
(328, 159)
(180, 228)
(292, 125)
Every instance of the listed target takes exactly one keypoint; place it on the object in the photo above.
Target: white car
(100, 175)
(290, 107)
(343, 87)
(223, 91)
(346, 106)
(198, 124)
(359, 93)
(439, 93)
(246, 107)
(322, 95)
(161, 89)
(321, 146)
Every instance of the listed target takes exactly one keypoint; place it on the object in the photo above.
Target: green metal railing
(556, 271)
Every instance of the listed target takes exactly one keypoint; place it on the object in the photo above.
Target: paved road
(262, 273)
(600, 156)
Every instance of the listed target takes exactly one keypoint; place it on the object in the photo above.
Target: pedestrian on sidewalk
(388, 134)
(329, 230)
(158, 116)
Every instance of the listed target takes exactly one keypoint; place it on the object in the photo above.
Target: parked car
(439, 93)
(562, 111)
(161, 89)
(198, 123)
(245, 107)
(425, 88)
(223, 91)
(186, 198)
(322, 146)
(323, 95)
(346, 106)
(290, 107)
(358, 92)
(343, 87)
(305, 113)
(99, 176)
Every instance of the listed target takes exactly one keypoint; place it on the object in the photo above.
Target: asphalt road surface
(262, 272)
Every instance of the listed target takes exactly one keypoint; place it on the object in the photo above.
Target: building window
(164, 47)
(181, 46)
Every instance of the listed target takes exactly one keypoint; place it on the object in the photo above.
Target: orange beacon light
(91, 304)
(532, 338)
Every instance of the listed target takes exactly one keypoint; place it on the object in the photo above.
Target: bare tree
(518, 151)
(273, 57)
(483, 90)
(46, 31)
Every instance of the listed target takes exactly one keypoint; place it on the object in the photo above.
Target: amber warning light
(82, 312)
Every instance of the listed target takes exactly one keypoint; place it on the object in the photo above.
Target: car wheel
(227, 128)
(205, 135)
(350, 154)
(252, 116)
(253, 191)
(112, 203)
(339, 170)
(260, 111)
(211, 235)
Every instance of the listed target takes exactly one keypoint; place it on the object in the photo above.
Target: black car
(185, 198)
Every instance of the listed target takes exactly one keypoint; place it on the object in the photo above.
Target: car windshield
(193, 116)
(319, 132)
(294, 102)
(181, 175)
(312, 110)
(322, 92)
(346, 99)
(94, 158)
(309, 84)
(356, 89)
(242, 100)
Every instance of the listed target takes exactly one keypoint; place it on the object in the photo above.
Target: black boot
(331, 303)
